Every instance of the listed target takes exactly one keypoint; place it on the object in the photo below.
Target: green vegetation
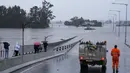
(15, 17)
(75, 21)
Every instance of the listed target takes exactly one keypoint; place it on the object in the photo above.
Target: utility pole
(126, 19)
(113, 23)
(119, 25)
(119, 21)
(22, 40)
(126, 25)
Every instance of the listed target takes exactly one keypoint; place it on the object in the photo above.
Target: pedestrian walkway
(29, 49)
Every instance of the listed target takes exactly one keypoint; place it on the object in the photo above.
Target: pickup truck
(93, 54)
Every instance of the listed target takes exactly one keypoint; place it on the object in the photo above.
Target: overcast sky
(65, 9)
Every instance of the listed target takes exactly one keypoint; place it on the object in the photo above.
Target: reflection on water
(55, 65)
(61, 58)
(127, 64)
(63, 32)
(40, 68)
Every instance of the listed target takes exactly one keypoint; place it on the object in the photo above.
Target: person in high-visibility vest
(115, 53)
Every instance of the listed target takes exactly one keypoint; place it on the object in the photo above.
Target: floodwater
(69, 63)
(58, 32)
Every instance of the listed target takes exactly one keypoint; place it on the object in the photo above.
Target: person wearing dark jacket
(6, 47)
(45, 44)
(36, 48)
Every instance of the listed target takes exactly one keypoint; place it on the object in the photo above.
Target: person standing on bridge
(36, 47)
(115, 53)
(17, 47)
(45, 44)
(6, 47)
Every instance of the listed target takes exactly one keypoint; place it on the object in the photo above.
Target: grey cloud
(65, 9)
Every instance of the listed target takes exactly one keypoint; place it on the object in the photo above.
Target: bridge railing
(29, 49)
(33, 58)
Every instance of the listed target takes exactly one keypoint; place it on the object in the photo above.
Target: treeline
(76, 21)
(15, 17)
(108, 22)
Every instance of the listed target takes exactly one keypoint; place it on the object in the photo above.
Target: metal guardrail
(60, 48)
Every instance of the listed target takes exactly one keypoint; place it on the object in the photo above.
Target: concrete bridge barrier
(30, 48)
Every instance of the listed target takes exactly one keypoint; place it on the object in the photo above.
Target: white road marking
(30, 68)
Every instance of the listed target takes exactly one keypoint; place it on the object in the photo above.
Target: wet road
(69, 63)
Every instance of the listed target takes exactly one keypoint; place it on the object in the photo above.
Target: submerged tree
(41, 16)
(38, 17)
(11, 17)
(76, 21)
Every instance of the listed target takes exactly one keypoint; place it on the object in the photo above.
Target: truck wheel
(86, 66)
(103, 69)
(84, 69)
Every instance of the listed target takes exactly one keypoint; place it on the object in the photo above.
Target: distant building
(123, 23)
